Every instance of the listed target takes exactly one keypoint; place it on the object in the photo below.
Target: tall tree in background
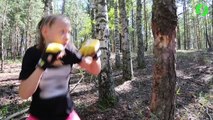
(178, 37)
(63, 7)
(208, 42)
(140, 57)
(212, 22)
(92, 15)
(28, 39)
(106, 83)
(164, 23)
(145, 23)
(184, 25)
(2, 25)
(126, 47)
(48, 7)
(117, 41)
(133, 28)
(199, 31)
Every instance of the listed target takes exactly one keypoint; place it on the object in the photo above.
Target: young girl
(47, 82)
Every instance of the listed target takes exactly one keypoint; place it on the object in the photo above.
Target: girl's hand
(67, 57)
(48, 58)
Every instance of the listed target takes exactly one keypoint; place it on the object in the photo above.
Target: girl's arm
(28, 87)
(94, 67)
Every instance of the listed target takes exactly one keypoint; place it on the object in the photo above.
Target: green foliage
(79, 17)
(20, 16)
(111, 15)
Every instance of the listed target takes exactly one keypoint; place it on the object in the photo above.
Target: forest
(157, 57)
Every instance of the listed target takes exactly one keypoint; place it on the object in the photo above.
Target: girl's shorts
(72, 116)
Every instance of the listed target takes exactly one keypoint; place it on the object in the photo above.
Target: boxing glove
(50, 55)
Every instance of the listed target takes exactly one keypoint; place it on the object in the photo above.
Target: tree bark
(184, 26)
(212, 23)
(133, 28)
(208, 42)
(63, 7)
(126, 47)
(2, 39)
(145, 22)
(117, 41)
(195, 33)
(92, 14)
(178, 37)
(106, 84)
(164, 23)
(199, 43)
(48, 7)
(140, 53)
(188, 41)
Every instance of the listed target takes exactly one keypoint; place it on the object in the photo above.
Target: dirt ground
(194, 91)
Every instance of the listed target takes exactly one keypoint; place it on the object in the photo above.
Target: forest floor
(194, 91)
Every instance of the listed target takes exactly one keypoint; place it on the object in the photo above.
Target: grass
(9, 109)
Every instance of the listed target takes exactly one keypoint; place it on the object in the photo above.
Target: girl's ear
(44, 31)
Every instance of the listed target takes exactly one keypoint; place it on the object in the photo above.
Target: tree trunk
(199, 42)
(106, 83)
(145, 22)
(126, 49)
(164, 78)
(195, 33)
(208, 42)
(133, 29)
(188, 31)
(2, 39)
(212, 23)
(178, 37)
(63, 7)
(184, 26)
(140, 53)
(48, 7)
(117, 41)
(92, 14)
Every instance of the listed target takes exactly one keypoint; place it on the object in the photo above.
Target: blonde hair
(49, 21)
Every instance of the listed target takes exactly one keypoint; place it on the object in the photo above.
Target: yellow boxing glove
(90, 47)
(54, 48)
(50, 55)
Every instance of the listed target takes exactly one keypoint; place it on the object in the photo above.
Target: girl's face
(58, 32)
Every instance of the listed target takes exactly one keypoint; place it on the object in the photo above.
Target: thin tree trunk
(178, 38)
(117, 41)
(212, 23)
(126, 47)
(184, 26)
(63, 7)
(164, 78)
(208, 42)
(188, 31)
(2, 39)
(140, 53)
(92, 14)
(199, 43)
(133, 29)
(145, 22)
(106, 83)
(48, 7)
(195, 32)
